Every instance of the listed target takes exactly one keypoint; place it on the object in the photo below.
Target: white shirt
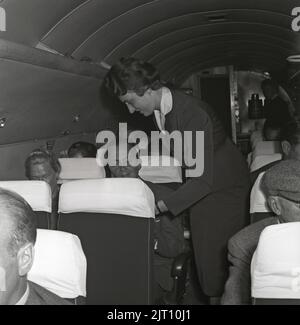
(24, 298)
(166, 106)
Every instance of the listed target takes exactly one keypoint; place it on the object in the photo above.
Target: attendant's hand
(157, 212)
(160, 207)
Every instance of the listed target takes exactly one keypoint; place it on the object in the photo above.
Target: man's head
(17, 237)
(271, 132)
(124, 167)
(270, 88)
(290, 140)
(44, 166)
(136, 83)
(82, 150)
(281, 185)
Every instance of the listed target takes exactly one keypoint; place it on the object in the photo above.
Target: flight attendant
(217, 199)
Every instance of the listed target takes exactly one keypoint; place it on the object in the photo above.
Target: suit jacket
(218, 199)
(241, 248)
(255, 173)
(41, 296)
(169, 236)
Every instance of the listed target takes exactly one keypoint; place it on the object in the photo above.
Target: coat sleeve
(238, 286)
(169, 234)
(200, 186)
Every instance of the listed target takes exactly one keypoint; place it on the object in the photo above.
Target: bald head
(17, 221)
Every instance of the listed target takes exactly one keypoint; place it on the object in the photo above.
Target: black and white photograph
(149, 155)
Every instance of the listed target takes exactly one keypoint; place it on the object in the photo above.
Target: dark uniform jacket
(218, 199)
(41, 296)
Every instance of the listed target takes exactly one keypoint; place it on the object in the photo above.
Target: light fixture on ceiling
(294, 69)
(76, 118)
(293, 58)
(217, 18)
(105, 65)
(3, 122)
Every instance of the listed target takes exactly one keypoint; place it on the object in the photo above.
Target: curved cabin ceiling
(179, 36)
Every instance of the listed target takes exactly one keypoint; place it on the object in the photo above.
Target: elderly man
(281, 185)
(17, 239)
(42, 165)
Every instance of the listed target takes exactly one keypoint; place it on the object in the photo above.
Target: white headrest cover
(59, 264)
(266, 148)
(36, 193)
(261, 161)
(80, 168)
(160, 169)
(256, 136)
(128, 196)
(258, 202)
(275, 267)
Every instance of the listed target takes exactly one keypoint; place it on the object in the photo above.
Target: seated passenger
(271, 132)
(281, 186)
(277, 111)
(290, 144)
(17, 239)
(168, 233)
(42, 165)
(82, 150)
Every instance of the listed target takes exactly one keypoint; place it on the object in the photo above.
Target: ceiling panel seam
(194, 48)
(110, 22)
(277, 39)
(205, 14)
(64, 18)
(205, 25)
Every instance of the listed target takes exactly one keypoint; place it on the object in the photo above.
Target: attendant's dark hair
(131, 74)
(39, 156)
(291, 131)
(23, 221)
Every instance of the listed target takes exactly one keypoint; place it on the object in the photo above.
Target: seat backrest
(79, 168)
(275, 266)
(260, 161)
(263, 153)
(114, 219)
(160, 169)
(266, 148)
(255, 138)
(37, 194)
(59, 264)
(259, 208)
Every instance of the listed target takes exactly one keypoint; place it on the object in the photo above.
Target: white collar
(24, 298)
(166, 103)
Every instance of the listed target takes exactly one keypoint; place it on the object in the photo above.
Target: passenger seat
(37, 194)
(79, 168)
(60, 265)
(114, 219)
